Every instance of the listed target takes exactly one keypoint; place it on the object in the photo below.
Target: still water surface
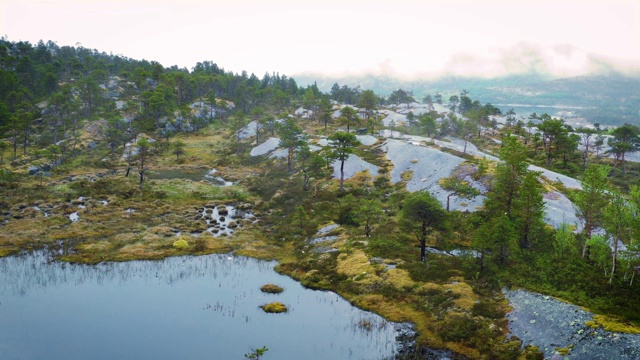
(203, 307)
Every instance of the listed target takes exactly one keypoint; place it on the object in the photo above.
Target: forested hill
(44, 84)
(610, 99)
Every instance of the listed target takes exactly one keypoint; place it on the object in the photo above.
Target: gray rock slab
(559, 209)
(266, 147)
(249, 130)
(328, 228)
(279, 154)
(393, 117)
(554, 176)
(367, 140)
(354, 164)
(428, 166)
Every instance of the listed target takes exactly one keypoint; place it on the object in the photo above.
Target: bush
(459, 328)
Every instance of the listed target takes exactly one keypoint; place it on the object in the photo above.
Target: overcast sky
(399, 37)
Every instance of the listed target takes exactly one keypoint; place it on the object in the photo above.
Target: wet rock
(232, 225)
(222, 210)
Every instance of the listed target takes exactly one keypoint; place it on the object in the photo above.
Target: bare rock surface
(266, 147)
(354, 164)
(551, 324)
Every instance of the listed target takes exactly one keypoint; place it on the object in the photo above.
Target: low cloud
(556, 61)
(523, 58)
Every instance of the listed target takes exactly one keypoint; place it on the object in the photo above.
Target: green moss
(180, 244)
(274, 308)
(592, 324)
(614, 325)
(271, 289)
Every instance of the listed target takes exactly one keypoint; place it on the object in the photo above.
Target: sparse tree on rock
(291, 138)
(591, 201)
(349, 115)
(626, 140)
(343, 144)
(422, 214)
(456, 187)
(368, 102)
(618, 221)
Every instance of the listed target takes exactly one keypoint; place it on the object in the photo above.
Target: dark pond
(203, 307)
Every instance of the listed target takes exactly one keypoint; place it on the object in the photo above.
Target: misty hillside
(608, 99)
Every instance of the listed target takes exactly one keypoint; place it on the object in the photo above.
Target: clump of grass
(180, 244)
(271, 289)
(406, 175)
(274, 308)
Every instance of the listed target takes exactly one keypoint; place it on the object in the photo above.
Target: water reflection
(183, 307)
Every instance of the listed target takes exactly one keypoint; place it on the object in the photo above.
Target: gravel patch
(550, 324)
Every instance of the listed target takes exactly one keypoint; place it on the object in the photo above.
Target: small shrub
(459, 328)
(271, 289)
(274, 308)
(180, 244)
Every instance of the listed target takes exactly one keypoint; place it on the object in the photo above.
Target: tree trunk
(367, 228)
(342, 175)
(141, 179)
(615, 259)
(306, 180)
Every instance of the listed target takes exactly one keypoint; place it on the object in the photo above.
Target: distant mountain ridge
(611, 99)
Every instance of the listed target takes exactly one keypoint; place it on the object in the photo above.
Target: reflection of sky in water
(178, 308)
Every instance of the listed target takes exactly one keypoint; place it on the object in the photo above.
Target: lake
(204, 307)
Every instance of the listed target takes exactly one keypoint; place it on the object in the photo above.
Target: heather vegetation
(278, 176)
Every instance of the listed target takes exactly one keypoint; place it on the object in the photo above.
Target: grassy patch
(271, 289)
(274, 308)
